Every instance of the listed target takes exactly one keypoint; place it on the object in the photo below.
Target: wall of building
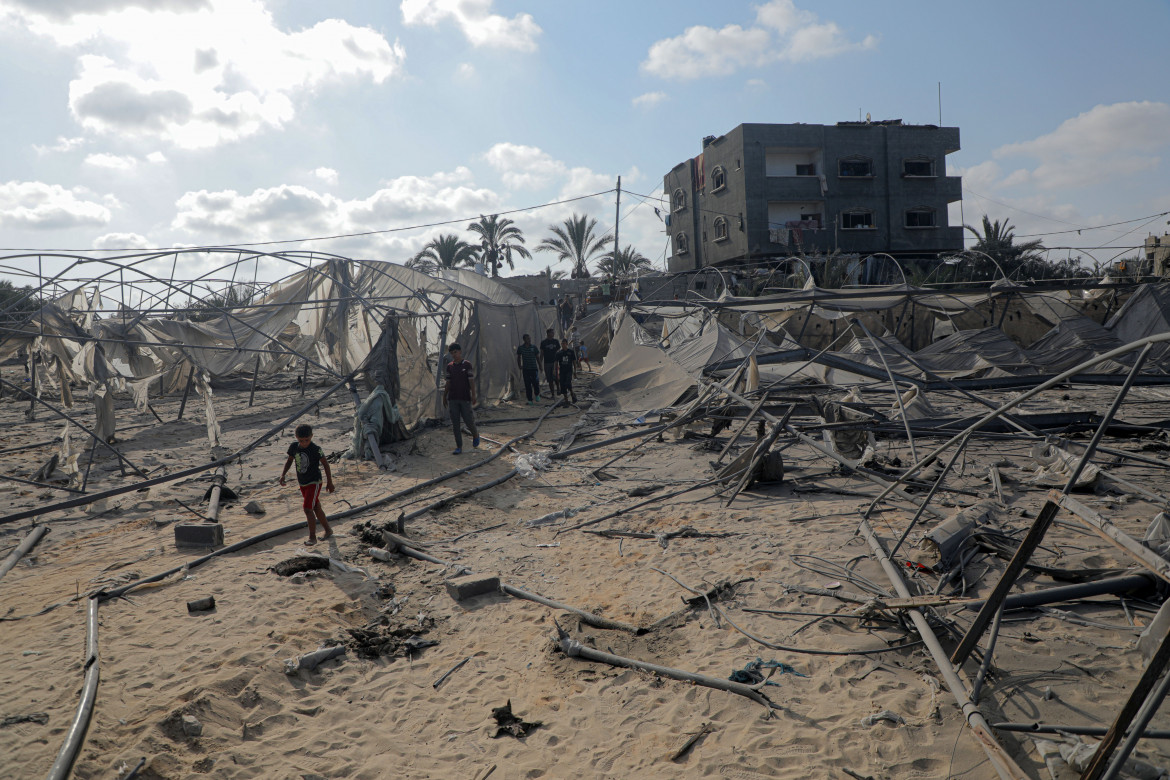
(760, 185)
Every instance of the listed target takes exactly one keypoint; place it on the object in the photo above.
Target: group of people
(561, 359)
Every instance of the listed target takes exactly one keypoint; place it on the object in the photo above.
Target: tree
(629, 262)
(574, 240)
(551, 274)
(446, 251)
(212, 305)
(16, 302)
(998, 242)
(499, 241)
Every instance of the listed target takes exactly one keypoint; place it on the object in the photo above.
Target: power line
(1074, 229)
(322, 238)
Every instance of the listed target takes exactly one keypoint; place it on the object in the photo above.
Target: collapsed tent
(378, 322)
(799, 336)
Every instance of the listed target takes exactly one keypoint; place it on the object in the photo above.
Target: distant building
(1158, 254)
(771, 191)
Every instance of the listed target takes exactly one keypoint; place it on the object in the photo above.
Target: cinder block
(471, 585)
(199, 535)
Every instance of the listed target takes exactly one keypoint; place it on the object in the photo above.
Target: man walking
(528, 358)
(459, 396)
(566, 367)
(548, 351)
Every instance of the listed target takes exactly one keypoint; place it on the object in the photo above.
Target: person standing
(310, 460)
(459, 397)
(566, 312)
(528, 358)
(548, 351)
(566, 367)
(578, 343)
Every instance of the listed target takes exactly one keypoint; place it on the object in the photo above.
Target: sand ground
(356, 717)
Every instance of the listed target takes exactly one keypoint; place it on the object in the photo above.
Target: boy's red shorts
(312, 495)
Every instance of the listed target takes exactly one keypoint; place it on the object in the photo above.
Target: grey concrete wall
(742, 153)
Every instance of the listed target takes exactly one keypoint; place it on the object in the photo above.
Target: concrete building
(771, 191)
(1158, 255)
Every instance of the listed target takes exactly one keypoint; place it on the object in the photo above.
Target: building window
(721, 228)
(718, 178)
(857, 219)
(678, 200)
(920, 217)
(680, 243)
(806, 169)
(855, 168)
(918, 166)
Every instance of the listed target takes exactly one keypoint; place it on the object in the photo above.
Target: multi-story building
(770, 191)
(1158, 254)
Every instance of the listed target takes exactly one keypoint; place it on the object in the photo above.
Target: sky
(138, 124)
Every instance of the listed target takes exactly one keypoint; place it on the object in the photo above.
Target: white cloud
(39, 206)
(288, 211)
(783, 33)
(156, 157)
(63, 145)
(112, 162)
(147, 70)
(524, 167)
(479, 25)
(465, 71)
(121, 241)
(327, 175)
(649, 99)
(1105, 143)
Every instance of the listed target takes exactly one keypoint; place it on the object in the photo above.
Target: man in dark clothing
(548, 351)
(566, 366)
(566, 313)
(528, 358)
(459, 396)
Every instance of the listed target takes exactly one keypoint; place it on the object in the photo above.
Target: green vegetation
(574, 240)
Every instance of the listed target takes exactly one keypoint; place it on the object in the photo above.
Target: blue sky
(160, 123)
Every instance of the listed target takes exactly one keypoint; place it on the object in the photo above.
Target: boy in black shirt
(310, 460)
(548, 351)
(566, 366)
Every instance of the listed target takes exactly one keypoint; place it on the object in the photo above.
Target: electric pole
(617, 218)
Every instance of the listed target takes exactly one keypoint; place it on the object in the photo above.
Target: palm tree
(629, 262)
(551, 274)
(574, 240)
(446, 251)
(998, 242)
(499, 240)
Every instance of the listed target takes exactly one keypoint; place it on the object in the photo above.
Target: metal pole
(1040, 525)
(217, 482)
(617, 218)
(255, 374)
(186, 392)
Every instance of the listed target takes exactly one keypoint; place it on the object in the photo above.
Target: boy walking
(528, 358)
(310, 461)
(459, 397)
(548, 351)
(566, 366)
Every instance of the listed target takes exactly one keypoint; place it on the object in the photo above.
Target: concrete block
(254, 508)
(199, 535)
(471, 585)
